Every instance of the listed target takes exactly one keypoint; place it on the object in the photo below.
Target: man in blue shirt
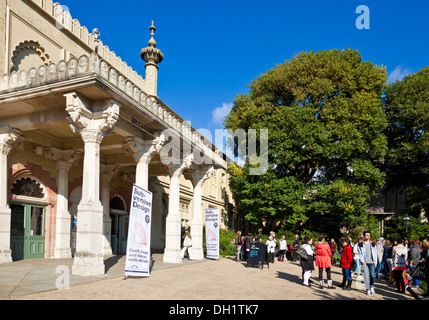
(368, 257)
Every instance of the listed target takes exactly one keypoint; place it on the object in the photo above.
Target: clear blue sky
(214, 49)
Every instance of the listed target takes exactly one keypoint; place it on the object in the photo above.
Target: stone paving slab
(222, 279)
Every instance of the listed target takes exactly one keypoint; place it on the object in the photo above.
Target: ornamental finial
(152, 42)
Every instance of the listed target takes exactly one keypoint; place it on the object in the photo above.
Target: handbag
(418, 272)
(303, 254)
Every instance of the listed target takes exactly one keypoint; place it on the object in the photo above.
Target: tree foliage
(325, 119)
(407, 110)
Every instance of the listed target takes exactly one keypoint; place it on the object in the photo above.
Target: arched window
(117, 203)
(28, 187)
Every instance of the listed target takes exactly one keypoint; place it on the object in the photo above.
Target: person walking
(425, 261)
(295, 248)
(238, 244)
(400, 257)
(385, 267)
(271, 249)
(368, 257)
(414, 254)
(282, 248)
(307, 265)
(248, 243)
(323, 261)
(346, 261)
(333, 247)
(379, 245)
(187, 244)
(389, 260)
(356, 258)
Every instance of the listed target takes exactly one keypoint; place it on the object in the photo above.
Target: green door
(27, 238)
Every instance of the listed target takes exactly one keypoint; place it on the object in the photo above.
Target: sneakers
(372, 290)
(368, 292)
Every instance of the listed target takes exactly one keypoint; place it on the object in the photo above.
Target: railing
(85, 65)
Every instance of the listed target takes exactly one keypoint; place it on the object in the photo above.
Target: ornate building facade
(78, 127)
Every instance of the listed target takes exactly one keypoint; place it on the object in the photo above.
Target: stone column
(198, 179)
(92, 126)
(142, 152)
(64, 160)
(108, 171)
(172, 251)
(7, 138)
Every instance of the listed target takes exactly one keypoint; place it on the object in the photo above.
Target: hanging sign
(212, 232)
(137, 261)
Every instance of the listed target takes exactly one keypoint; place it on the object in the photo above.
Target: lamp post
(406, 222)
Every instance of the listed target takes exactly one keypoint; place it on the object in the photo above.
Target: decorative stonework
(28, 46)
(92, 126)
(84, 65)
(7, 139)
(27, 187)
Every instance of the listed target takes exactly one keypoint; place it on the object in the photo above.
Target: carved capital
(70, 156)
(109, 171)
(143, 150)
(92, 135)
(177, 169)
(7, 139)
(201, 175)
(86, 117)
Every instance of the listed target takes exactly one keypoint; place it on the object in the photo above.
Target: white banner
(137, 261)
(212, 232)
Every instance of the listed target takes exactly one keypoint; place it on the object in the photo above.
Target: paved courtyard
(222, 279)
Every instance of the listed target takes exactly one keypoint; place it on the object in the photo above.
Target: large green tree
(407, 162)
(323, 111)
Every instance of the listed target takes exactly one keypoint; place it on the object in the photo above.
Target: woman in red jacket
(346, 260)
(323, 261)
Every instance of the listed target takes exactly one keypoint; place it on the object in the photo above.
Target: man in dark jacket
(247, 244)
(295, 247)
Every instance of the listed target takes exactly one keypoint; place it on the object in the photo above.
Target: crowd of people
(376, 258)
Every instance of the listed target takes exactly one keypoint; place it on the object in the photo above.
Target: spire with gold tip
(150, 54)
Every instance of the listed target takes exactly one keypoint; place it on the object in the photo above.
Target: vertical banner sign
(212, 232)
(137, 261)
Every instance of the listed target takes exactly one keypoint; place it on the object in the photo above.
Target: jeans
(415, 281)
(377, 270)
(237, 252)
(369, 275)
(347, 274)
(358, 266)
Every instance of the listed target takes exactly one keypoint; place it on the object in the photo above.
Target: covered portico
(82, 115)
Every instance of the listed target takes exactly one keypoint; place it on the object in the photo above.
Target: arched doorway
(28, 212)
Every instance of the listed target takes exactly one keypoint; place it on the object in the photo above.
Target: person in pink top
(323, 261)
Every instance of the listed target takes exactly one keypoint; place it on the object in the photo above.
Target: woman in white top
(307, 265)
(271, 249)
(282, 249)
(187, 244)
